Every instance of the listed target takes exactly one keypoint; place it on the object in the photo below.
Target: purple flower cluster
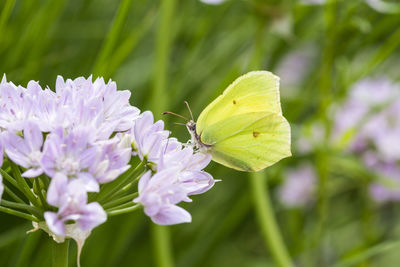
(370, 116)
(66, 135)
(367, 125)
(84, 134)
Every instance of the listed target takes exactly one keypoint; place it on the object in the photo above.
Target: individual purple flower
(113, 159)
(148, 138)
(189, 169)
(15, 106)
(70, 154)
(71, 199)
(48, 110)
(116, 105)
(26, 151)
(298, 188)
(159, 195)
(179, 175)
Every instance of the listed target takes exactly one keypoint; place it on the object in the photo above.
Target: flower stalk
(267, 220)
(60, 252)
(124, 210)
(19, 214)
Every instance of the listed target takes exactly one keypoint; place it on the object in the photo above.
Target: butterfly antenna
(190, 111)
(172, 113)
(179, 123)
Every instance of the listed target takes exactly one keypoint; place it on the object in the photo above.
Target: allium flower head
(84, 134)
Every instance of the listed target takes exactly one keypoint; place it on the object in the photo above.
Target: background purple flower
(368, 120)
(299, 187)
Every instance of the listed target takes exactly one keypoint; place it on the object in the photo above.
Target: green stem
(60, 254)
(123, 211)
(33, 210)
(13, 195)
(111, 188)
(9, 178)
(267, 221)
(119, 201)
(19, 214)
(383, 52)
(162, 247)
(41, 192)
(111, 39)
(326, 96)
(23, 185)
(122, 206)
(5, 15)
(125, 49)
(159, 99)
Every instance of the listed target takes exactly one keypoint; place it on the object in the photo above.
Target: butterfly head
(191, 126)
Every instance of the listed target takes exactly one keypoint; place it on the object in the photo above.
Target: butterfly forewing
(256, 91)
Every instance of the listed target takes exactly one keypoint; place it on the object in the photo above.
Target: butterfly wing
(250, 141)
(256, 91)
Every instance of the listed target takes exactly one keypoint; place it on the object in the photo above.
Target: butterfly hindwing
(250, 141)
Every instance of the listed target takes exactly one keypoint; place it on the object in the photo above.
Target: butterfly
(244, 128)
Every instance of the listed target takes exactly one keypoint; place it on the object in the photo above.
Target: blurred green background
(169, 51)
